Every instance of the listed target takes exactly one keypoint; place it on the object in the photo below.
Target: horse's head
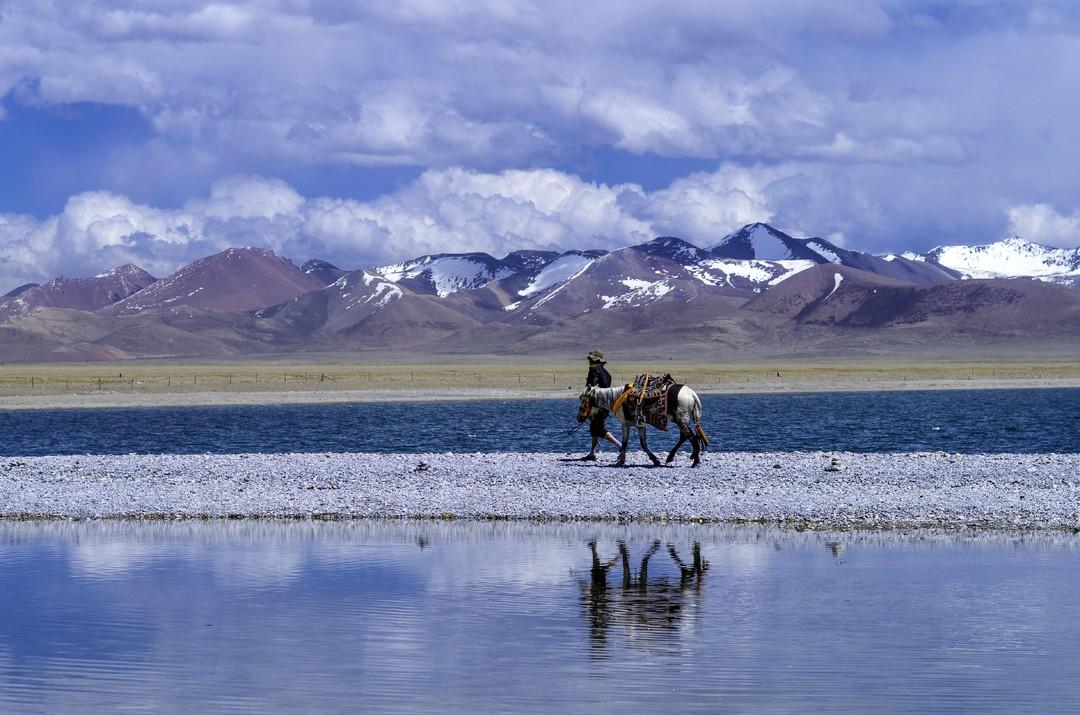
(585, 408)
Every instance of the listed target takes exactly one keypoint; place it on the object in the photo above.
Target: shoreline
(217, 398)
(872, 491)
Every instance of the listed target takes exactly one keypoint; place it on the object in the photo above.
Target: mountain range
(757, 292)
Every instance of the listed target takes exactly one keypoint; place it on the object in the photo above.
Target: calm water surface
(1043, 420)
(432, 616)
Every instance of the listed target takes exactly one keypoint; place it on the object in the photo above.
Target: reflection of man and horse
(648, 400)
(640, 601)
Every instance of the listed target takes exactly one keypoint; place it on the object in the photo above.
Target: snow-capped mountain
(323, 271)
(349, 298)
(1012, 257)
(763, 242)
(760, 241)
(674, 249)
(363, 308)
(444, 274)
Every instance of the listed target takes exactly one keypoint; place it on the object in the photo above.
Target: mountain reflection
(636, 605)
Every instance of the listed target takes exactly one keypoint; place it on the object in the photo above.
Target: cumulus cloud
(1042, 223)
(450, 210)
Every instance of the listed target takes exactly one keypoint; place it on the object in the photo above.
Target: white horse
(685, 411)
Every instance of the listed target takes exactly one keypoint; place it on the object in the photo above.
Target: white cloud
(706, 206)
(450, 210)
(1042, 223)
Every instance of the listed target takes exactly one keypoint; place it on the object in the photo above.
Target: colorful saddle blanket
(646, 399)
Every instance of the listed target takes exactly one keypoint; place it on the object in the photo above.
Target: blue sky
(156, 132)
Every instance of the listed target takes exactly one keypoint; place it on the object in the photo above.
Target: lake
(266, 616)
(1033, 421)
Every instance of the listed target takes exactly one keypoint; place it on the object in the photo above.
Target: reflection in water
(264, 616)
(642, 606)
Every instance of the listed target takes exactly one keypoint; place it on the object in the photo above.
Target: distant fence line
(134, 382)
(449, 379)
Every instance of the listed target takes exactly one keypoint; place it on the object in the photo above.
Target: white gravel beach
(868, 491)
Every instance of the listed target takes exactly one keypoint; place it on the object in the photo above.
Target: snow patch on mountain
(720, 271)
(448, 274)
(791, 268)
(837, 280)
(759, 241)
(355, 293)
(561, 269)
(640, 293)
(823, 251)
(555, 291)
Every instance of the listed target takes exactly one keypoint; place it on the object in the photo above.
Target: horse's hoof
(696, 464)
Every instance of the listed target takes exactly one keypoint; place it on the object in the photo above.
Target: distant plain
(147, 383)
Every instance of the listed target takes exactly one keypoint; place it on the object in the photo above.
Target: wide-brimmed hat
(596, 356)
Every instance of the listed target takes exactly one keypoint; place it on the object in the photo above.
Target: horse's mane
(605, 396)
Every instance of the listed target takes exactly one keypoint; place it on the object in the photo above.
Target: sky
(157, 132)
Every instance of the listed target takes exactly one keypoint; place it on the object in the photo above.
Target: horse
(684, 410)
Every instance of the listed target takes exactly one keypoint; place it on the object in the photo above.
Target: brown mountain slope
(234, 280)
(79, 293)
(362, 309)
(60, 334)
(824, 294)
(848, 298)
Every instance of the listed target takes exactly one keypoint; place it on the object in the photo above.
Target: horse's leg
(684, 434)
(695, 455)
(645, 446)
(621, 461)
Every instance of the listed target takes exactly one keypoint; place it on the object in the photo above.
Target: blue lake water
(1043, 420)
(369, 616)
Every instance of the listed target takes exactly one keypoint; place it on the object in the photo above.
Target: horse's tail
(695, 415)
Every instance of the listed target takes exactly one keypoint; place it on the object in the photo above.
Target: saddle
(646, 399)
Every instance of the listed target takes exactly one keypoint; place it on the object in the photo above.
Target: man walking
(598, 377)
